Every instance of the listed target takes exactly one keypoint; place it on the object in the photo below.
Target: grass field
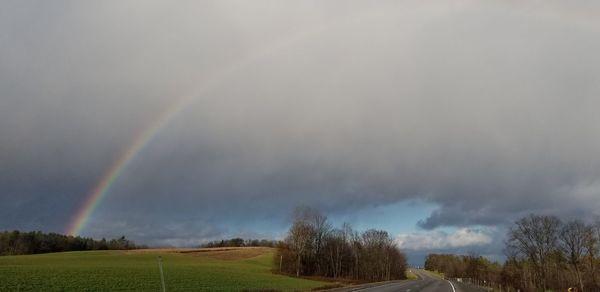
(187, 270)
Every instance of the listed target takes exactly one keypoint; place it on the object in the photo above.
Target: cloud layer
(440, 240)
(487, 110)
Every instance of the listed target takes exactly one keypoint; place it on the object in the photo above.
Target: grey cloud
(487, 242)
(462, 237)
(487, 110)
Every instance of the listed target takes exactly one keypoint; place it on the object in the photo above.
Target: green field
(138, 271)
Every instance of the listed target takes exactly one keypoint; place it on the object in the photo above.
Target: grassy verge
(435, 274)
(410, 275)
(138, 271)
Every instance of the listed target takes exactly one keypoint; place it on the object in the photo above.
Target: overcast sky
(439, 121)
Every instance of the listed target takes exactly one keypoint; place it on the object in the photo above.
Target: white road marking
(453, 290)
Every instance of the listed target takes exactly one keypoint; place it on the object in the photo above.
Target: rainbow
(101, 188)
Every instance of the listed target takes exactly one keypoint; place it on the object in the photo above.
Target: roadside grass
(410, 275)
(138, 271)
(435, 274)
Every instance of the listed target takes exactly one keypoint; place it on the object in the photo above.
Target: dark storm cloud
(487, 110)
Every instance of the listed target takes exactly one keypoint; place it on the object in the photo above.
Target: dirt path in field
(220, 253)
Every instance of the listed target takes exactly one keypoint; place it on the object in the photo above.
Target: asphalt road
(425, 283)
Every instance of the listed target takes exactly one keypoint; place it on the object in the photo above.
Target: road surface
(425, 283)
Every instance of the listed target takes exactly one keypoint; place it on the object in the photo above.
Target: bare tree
(355, 246)
(572, 244)
(536, 238)
(591, 249)
(335, 246)
(299, 241)
(592, 245)
(322, 229)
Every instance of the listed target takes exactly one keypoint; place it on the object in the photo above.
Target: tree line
(240, 242)
(21, 243)
(542, 253)
(464, 266)
(313, 247)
